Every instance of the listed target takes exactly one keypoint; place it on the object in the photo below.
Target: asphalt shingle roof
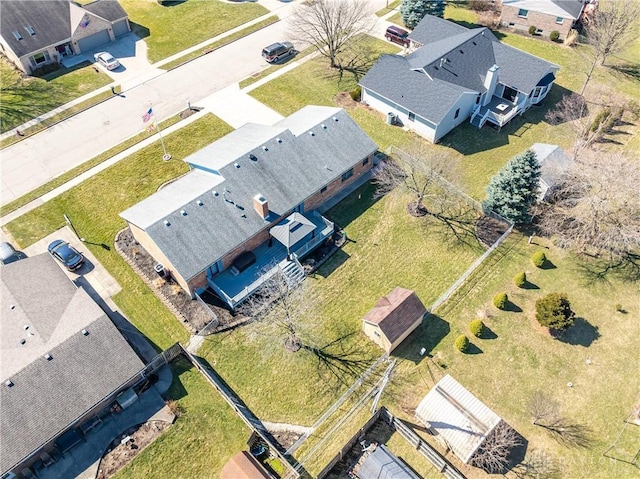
(381, 464)
(396, 312)
(286, 173)
(110, 10)
(559, 8)
(432, 29)
(47, 395)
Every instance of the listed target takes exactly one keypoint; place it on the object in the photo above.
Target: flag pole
(166, 156)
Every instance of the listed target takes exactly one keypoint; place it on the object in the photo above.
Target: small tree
(500, 300)
(554, 36)
(612, 27)
(477, 328)
(462, 343)
(520, 279)
(493, 454)
(513, 192)
(539, 259)
(554, 312)
(413, 11)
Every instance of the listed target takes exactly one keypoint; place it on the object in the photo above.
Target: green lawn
(521, 359)
(391, 6)
(94, 206)
(200, 442)
(176, 26)
(274, 68)
(23, 99)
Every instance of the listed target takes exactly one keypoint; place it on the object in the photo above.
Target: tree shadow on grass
(626, 269)
(337, 259)
(512, 307)
(428, 335)
(548, 265)
(631, 70)
(530, 285)
(178, 368)
(473, 349)
(488, 333)
(582, 333)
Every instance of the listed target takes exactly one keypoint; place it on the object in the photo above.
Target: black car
(276, 51)
(66, 254)
(8, 253)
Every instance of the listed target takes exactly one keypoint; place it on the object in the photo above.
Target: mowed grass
(387, 248)
(200, 442)
(507, 370)
(95, 204)
(169, 29)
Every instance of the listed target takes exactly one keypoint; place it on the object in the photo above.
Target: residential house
(61, 361)
(554, 164)
(394, 317)
(546, 15)
(37, 33)
(459, 420)
(244, 466)
(456, 74)
(250, 204)
(381, 463)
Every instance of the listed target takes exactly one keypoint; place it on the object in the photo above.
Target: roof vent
(200, 203)
(475, 43)
(215, 193)
(13, 306)
(183, 212)
(461, 51)
(236, 164)
(264, 147)
(279, 140)
(23, 341)
(312, 133)
(324, 127)
(335, 118)
(30, 30)
(167, 223)
(16, 34)
(327, 168)
(85, 332)
(253, 157)
(442, 61)
(25, 327)
(8, 383)
(48, 357)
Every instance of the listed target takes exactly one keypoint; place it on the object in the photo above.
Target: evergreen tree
(413, 11)
(554, 311)
(514, 190)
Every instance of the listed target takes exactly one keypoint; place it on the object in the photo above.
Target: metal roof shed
(457, 418)
(381, 464)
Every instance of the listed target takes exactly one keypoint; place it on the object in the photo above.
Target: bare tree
(595, 209)
(542, 408)
(493, 454)
(331, 25)
(613, 27)
(537, 465)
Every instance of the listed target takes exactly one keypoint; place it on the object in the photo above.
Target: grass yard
(507, 370)
(200, 442)
(391, 6)
(388, 248)
(24, 99)
(174, 27)
(94, 206)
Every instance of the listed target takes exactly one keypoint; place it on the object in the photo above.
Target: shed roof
(244, 466)
(554, 163)
(381, 464)
(396, 312)
(457, 416)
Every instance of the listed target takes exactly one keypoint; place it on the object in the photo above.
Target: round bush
(477, 328)
(462, 343)
(520, 279)
(500, 300)
(539, 259)
(532, 30)
(356, 93)
(554, 36)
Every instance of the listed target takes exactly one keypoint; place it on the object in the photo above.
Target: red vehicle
(398, 35)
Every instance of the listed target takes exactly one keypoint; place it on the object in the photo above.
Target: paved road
(38, 159)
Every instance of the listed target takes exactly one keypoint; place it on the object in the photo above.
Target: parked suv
(275, 52)
(398, 35)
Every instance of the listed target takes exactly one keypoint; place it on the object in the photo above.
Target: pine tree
(514, 190)
(413, 11)
(554, 311)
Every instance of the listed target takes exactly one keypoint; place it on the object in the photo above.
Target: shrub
(462, 343)
(520, 279)
(477, 328)
(619, 308)
(500, 300)
(554, 36)
(554, 311)
(532, 30)
(356, 93)
(539, 259)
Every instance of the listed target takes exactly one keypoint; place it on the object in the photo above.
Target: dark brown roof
(396, 312)
(244, 466)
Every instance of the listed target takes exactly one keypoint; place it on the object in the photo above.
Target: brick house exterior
(549, 16)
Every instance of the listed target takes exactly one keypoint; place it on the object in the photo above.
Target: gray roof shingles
(381, 463)
(286, 174)
(110, 10)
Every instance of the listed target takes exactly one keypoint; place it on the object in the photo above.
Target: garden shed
(244, 466)
(393, 318)
(457, 418)
(382, 464)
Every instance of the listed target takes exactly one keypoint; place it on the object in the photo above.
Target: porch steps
(476, 121)
(294, 273)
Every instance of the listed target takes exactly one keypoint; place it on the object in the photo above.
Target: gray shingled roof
(47, 395)
(110, 10)
(554, 163)
(285, 174)
(456, 63)
(381, 464)
(558, 8)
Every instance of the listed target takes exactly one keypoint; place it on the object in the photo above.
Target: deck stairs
(293, 272)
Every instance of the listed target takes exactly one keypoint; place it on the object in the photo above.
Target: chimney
(261, 205)
(490, 82)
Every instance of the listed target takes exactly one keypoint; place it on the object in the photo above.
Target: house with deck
(37, 33)
(250, 205)
(456, 75)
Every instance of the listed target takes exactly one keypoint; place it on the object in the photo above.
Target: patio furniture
(243, 261)
(46, 459)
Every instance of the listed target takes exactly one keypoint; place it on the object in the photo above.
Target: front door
(509, 94)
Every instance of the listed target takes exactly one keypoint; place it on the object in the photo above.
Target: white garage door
(120, 28)
(93, 41)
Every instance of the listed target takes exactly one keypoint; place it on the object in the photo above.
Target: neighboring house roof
(554, 163)
(457, 416)
(45, 314)
(288, 171)
(382, 464)
(110, 10)
(557, 8)
(396, 312)
(244, 466)
(455, 60)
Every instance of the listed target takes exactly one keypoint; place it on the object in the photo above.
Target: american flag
(147, 116)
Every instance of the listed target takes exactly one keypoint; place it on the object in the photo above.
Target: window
(17, 35)
(559, 20)
(477, 100)
(376, 333)
(511, 25)
(347, 174)
(30, 30)
(365, 161)
(457, 113)
(323, 189)
(412, 116)
(523, 13)
(39, 58)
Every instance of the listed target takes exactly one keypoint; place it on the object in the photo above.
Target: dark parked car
(275, 52)
(398, 35)
(66, 254)
(8, 253)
